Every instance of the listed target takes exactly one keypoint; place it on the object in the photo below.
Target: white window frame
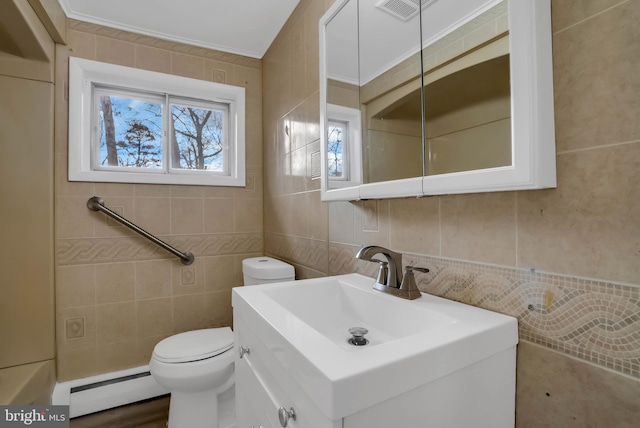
(352, 153)
(84, 74)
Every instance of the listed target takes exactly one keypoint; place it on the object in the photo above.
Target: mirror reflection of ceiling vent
(403, 9)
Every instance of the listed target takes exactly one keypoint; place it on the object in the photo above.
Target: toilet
(197, 366)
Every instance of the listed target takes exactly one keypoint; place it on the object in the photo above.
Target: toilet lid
(194, 345)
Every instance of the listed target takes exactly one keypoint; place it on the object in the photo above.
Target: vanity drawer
(263, 386)
(255, 407)
(258, 395)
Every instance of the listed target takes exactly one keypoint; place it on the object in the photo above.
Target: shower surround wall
(565, 261)
(117, 294)
(27, 315)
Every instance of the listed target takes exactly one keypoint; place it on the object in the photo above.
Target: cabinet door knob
(242, 351)
(284, 415)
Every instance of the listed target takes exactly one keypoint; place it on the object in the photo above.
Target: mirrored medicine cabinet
(450, 97)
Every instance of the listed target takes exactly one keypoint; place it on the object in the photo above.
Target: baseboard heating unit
(106, 391)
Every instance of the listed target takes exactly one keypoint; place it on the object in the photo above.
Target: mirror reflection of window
(337, 146)
(343, 146)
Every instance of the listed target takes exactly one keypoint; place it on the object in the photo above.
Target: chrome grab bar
(96, 203)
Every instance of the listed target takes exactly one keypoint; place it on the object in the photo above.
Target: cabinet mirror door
(467, 91)
(390, 82)
(372, 134)
(454, 98)
(340, 101)
(488, 96)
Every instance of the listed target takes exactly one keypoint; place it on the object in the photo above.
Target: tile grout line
(517, 258)
(590, 17)
(599, 147)
(440, 226)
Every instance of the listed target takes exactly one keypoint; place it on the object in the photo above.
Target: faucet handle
(412, 268)
(408, 285)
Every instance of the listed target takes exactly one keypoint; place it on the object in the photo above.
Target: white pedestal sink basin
(303, 326)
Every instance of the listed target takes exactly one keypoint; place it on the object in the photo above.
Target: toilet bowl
(197, 367)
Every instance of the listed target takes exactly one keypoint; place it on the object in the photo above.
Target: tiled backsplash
(592, 320)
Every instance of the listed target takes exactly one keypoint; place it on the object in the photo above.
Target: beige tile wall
(481, 246)
(118, 294)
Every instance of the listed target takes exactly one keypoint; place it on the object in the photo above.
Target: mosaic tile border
(311, 253)
(595, 321)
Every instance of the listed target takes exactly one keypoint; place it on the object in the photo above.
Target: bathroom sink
(305, 326)
(333, 306)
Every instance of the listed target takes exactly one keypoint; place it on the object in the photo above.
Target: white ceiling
(243, 27)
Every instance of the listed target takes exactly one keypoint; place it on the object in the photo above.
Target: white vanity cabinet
(429, 362)
(463, 399)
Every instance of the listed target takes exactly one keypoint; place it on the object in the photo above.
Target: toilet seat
(194, 345)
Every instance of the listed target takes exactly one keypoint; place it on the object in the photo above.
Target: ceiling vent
(403, 9)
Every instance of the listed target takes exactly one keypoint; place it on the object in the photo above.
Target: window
(344, 151)
(337, 149)
(136, 126)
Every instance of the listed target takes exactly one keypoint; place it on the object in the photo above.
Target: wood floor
(148, 414)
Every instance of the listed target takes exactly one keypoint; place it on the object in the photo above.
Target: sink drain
(358, 338)
(360, 342)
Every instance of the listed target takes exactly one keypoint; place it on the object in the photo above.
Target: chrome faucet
(394, 260)
(389, 280)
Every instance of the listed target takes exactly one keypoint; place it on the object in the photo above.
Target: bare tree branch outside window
(109, 130)
(198, 137)
(131, 134)
(335, 148)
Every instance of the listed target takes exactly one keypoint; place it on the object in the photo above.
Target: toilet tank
(264, 270)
